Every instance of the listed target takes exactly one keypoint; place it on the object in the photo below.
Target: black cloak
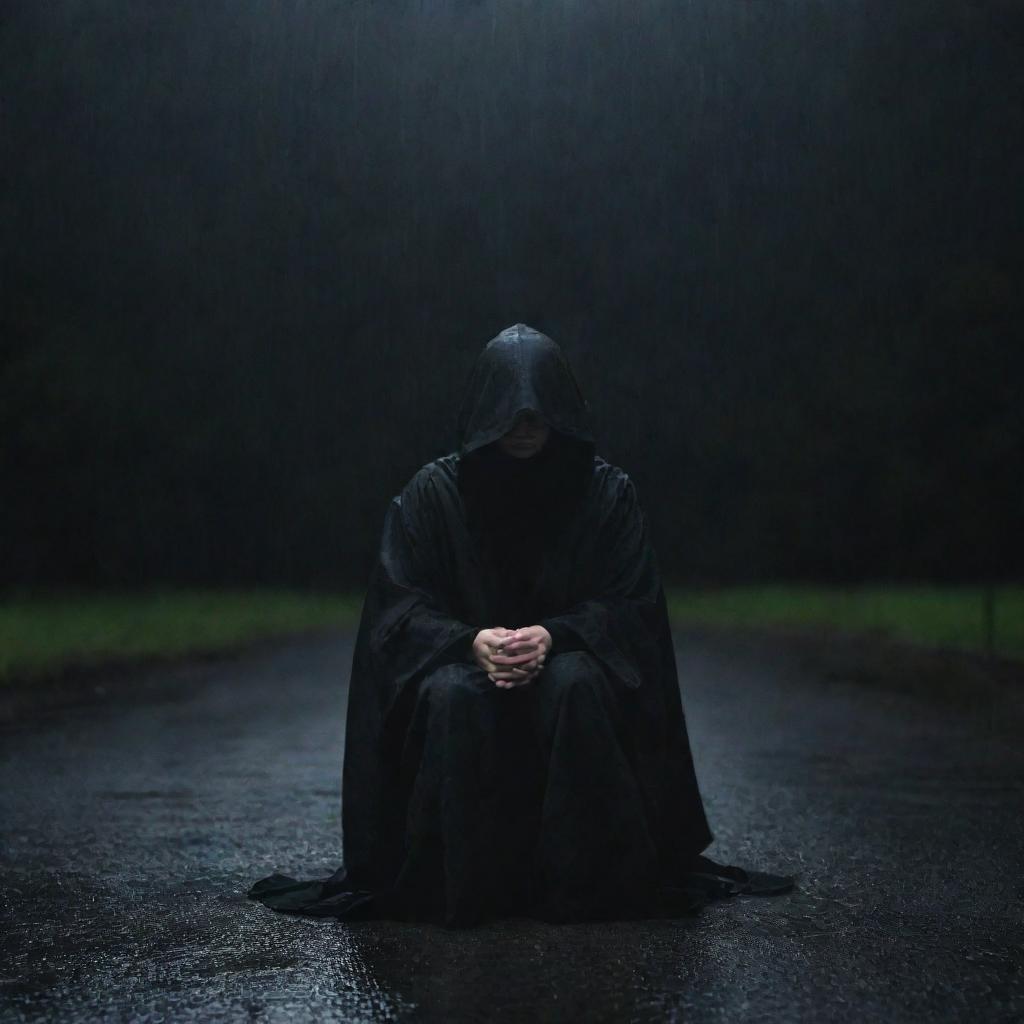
(595, 584)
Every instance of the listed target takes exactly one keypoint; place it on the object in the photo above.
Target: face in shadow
(527, 435)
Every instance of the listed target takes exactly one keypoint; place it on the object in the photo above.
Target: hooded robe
(571, 797)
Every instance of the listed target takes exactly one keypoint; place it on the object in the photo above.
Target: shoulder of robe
(612, 491)
(429, 488)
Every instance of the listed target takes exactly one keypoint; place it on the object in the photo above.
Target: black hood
(521, 369)
(517, 501)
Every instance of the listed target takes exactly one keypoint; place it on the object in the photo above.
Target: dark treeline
(251, 249)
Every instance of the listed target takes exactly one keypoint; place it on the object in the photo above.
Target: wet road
(131, 830)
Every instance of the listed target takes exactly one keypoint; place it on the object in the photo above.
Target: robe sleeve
(414, 629)
(618, 620)
(562, 636)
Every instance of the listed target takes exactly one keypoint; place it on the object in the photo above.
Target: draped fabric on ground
(572, 797)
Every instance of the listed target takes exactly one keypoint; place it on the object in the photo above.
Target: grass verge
(952, 617)
(42, 635)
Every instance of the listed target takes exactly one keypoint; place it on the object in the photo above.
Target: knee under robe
(520, 801)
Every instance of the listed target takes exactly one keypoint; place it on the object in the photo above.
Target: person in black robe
(515, 738)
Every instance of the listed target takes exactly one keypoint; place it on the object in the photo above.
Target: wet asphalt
(132, 826)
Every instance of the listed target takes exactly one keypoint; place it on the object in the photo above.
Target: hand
(514, 657)
(486, 644)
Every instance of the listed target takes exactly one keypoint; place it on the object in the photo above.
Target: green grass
(40, 634)
(935, 616)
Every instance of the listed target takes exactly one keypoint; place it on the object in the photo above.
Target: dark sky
(251, 249)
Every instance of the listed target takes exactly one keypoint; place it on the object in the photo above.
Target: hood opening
(521, 368)
(506, 496)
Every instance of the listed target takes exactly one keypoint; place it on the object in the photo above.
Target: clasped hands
(512, 657)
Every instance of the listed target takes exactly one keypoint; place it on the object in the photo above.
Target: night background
(249, 254)
(251, 251)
